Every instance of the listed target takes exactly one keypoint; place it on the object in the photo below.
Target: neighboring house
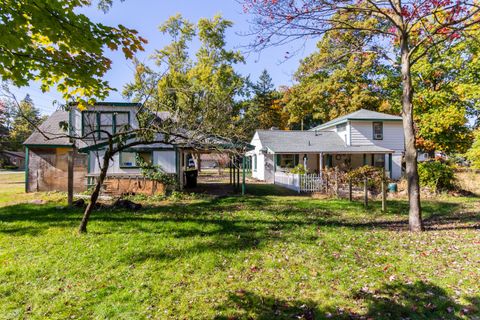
(214, 160)
(14, 158)
(48, 159)
(361, 138)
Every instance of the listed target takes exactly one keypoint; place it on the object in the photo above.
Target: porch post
(321, 165)
(238, 174)
(390, 165)
(243, 175)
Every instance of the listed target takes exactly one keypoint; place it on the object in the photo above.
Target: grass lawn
(266, 256)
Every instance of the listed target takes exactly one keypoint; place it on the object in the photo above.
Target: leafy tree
(473, 154)
(24, 121)
(49, 41)
(331, 83)
(198, 90)
(4, 125)
(413, 28)
(265, 109)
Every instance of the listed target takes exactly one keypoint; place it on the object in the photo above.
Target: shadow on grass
(420, 300)
(247, 217)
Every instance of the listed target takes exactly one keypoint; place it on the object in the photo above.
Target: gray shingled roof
(51, 128)
(361, 114)
(280, 141)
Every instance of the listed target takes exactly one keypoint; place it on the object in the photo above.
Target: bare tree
(403, 32)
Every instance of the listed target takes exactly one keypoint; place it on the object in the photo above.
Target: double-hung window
(377, 130)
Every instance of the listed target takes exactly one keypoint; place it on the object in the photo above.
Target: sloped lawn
(256, 257)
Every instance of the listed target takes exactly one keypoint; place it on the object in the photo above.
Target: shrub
(436, 175)
(374, 176)
(299, 169)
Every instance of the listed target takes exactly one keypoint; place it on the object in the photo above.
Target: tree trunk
(415, 210)
(96, 193)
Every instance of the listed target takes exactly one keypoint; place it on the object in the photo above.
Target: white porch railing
(299, 182)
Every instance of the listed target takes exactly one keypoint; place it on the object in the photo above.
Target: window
(254, 162)
(128, 159)
(121, 121)
(106, 124)
(89, 123)
(111, 122)
(287, 160)
(341, 127)
(378, 131)
(379, 160)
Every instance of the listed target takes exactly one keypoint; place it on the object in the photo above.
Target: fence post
(365, 190)
(384, 193)
(350, 189)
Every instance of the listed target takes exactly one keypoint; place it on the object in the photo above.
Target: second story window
(378, 131)
(102, 122)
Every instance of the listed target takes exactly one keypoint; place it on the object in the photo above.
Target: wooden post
(350, 197)
(199, 162)
(230, 169)
(243, 175)
(384, 192)
(70, 156)
(238, 174)
(365, 190)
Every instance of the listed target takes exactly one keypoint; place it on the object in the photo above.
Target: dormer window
(102, 122)
(378, 131)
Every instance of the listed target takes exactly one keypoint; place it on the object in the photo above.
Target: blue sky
(146, 15)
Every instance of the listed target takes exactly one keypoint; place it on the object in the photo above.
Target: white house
(360, 138)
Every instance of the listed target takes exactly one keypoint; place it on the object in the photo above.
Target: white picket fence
(299, 182)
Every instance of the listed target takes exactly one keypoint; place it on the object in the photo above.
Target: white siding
(362, 135)
(166, 159)
(397, 166)
(259, 173)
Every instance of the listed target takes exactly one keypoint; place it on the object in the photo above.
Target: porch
(324, 172)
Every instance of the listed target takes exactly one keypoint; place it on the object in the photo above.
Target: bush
(436, 175)
(374, 177)
(299, 169)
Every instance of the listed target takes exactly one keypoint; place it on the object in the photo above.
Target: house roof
(19, 154)
(52, 135)
(280, 141)
(361, 114)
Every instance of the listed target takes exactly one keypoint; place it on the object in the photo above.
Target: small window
(128, 159)
(378, 131)
(341, 127)
(255, 162)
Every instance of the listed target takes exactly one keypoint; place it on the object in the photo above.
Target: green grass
(262, 257)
